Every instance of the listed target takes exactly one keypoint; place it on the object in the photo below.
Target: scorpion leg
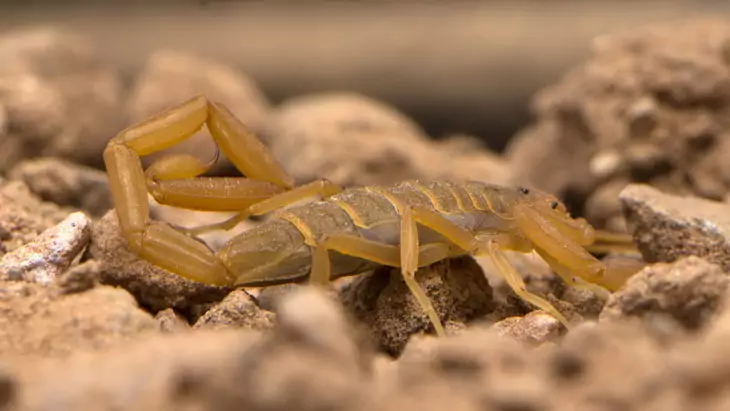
(515, 281)
(466, 241)
(384, 254)
(409, 246)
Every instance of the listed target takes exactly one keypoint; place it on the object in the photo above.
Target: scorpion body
(346, 232)
(369, 213)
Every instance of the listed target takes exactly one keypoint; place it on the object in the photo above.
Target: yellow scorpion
(346, 232)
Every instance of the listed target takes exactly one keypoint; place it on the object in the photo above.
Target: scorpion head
(556, 213)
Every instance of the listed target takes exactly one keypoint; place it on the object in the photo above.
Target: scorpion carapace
(408, 225)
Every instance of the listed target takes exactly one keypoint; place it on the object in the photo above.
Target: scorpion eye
(554, 205)
(524, 190)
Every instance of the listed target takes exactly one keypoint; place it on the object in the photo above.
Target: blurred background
(455, 67)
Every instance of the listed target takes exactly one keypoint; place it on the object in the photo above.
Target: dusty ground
(85, 324)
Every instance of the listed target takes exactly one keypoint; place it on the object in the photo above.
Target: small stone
(237, 310)
(171, 322)
(689, 290)
(535, 328)
(667, 227)
(48, 256)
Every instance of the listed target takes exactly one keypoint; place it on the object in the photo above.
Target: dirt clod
(689, 290)
(237, 310)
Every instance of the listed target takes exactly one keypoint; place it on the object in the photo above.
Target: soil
(86, 324)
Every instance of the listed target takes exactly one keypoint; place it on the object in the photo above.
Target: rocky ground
(634, 139)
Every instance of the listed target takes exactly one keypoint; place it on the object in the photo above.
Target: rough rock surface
(46, 258)
(536, 327)
(57, 98)
(23, 216)
(689, 291)
(650, 106)
(66, 183)
(667, 227)
(172, 77)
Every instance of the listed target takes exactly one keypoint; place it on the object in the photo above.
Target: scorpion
(320, 231)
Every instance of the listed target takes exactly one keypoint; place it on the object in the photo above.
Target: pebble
(47, 257)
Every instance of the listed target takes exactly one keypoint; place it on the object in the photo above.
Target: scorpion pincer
(346, 232)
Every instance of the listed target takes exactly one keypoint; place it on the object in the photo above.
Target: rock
(23, 216)
(34, 320)
(59, 99)
(47, 257)
(153, 287)
(667, 227)
(66, 184)
(353, 140)
(536, 328)
(171, 322)
(649, 106)
(237, 310)
(172, 77)
(689, 290)
(458, 290)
